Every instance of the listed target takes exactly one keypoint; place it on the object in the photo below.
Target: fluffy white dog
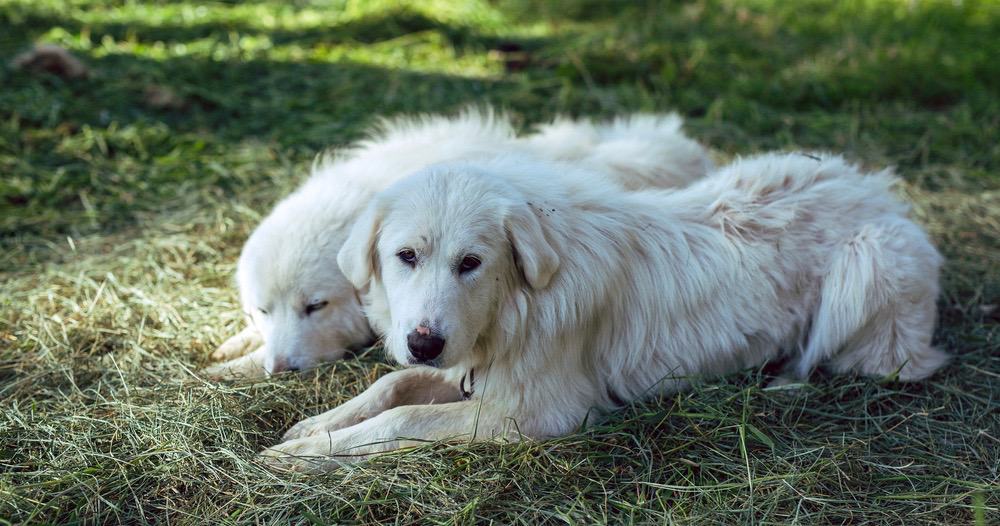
(303, 311)
(527, 294)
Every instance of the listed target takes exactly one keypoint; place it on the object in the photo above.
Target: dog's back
(781, 253)
(876, 270)
(808, 256)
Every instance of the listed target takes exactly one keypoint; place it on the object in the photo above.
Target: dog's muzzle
(424, 345)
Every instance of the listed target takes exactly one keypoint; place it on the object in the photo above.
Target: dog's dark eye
(262, 311)
(407, 256)
(313, 307)
(469, 263)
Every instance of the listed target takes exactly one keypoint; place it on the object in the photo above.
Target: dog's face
(299, 330)
(304, 309)
(441, 282)
(442, 246)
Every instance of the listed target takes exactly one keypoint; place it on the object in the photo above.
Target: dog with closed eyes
(302, 311)
(522, 294)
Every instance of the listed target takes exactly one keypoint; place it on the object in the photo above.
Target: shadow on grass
(100, 137)
(92, 154)
(801, 55)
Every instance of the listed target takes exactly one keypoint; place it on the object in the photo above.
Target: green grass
(120, 224)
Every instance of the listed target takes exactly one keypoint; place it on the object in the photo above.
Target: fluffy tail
(877, 309)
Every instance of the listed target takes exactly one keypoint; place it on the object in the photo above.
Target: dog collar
(472, 385)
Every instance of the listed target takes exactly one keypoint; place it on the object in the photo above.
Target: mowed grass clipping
(125, 198)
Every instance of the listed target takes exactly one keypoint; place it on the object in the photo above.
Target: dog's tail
(877, 306)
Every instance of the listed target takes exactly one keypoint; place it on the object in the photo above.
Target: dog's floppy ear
(533, 253)
(357, 258)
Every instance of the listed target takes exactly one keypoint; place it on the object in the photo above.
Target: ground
(125, 197)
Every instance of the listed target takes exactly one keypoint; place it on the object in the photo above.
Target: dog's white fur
(638, 151)
(288, 263)
(587, 294)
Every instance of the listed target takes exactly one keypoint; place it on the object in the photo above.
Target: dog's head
(437, 251)
(304, 309)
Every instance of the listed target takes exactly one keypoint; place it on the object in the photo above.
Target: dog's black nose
(424, 347)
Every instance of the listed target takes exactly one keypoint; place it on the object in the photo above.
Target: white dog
(527, 294)
(303, 311)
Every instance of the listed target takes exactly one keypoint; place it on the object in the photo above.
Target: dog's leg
(240, 344)
(396, 428)
(417, 385)
(249, 366)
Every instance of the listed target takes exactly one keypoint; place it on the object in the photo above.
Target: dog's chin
(406, 359)
(435, 363)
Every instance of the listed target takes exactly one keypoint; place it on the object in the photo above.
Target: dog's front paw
(245, 367)
(240, 344)
(304, 455)
(308, 427)
(333, 420)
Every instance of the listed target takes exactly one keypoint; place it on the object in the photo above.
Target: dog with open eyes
(521, 294)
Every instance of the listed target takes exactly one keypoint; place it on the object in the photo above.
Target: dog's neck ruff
(472, 384)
